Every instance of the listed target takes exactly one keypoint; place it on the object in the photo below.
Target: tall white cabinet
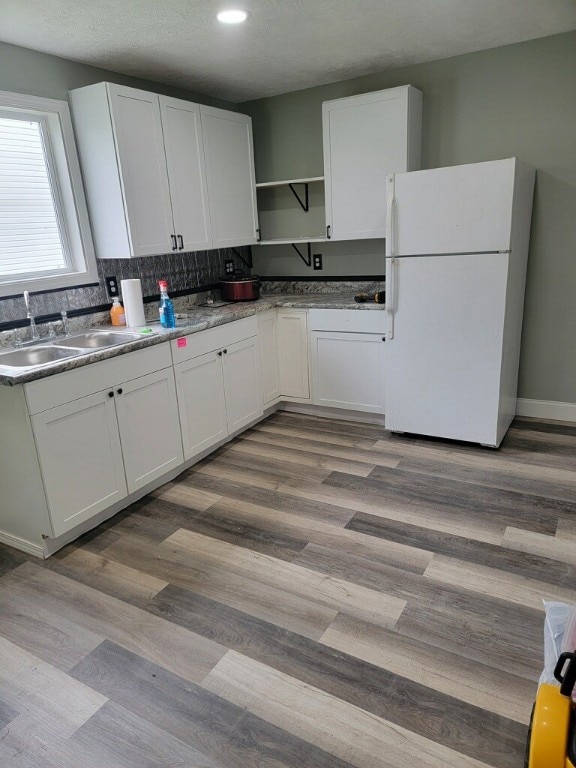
(161, 174)
(365, 138)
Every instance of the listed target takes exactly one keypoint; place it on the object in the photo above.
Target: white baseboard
(23, 544)
(546, 409)
(308, 409)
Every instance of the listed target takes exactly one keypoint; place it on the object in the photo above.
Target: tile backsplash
(341, 285)
(185, 272)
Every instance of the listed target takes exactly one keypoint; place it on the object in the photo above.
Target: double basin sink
(50, 351)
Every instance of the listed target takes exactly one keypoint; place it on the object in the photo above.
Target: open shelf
(300, 189)
(287, 183)
(290, 240)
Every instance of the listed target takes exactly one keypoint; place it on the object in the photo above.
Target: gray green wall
(517, 100)
(39, 74)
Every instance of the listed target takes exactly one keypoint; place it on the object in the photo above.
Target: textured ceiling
(285, 45)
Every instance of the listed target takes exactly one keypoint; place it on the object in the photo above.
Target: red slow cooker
(240, 287)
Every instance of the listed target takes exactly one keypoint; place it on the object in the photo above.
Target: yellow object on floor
(551, 730)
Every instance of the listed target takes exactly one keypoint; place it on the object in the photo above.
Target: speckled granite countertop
(197, 319)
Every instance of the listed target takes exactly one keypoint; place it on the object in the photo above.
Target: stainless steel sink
(35, 356)
(51, 351)
(98, 339)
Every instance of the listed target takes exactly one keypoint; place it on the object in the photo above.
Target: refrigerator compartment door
(462, 209)
(443, 368)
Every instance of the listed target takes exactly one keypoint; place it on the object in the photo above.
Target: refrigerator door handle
(390, 256)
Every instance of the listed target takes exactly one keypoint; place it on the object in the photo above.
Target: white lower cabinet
(103, 432)
(348, 370)
(348, 356)
(267, 334)
(242, 383)
(293, 353)
(219, 391)
(81, 459)
(200, 387)
(147, 413)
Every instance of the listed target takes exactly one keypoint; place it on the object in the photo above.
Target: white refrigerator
(456, 252)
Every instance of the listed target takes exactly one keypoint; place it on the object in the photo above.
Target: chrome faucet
(34, 335)
(65, 328)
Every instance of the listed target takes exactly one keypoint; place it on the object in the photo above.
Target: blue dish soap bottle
(167, 316)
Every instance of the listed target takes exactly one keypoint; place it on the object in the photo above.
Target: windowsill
(48, 284)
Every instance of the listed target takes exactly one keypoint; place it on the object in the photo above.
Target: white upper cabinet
(231, 180)
(155, 182)
(365, 138)
(186, 173)
(142, 167)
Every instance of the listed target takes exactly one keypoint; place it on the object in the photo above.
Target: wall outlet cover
(317, 261)
(228, 266)
(112, 286)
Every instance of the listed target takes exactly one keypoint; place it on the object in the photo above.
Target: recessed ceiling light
(232, 16)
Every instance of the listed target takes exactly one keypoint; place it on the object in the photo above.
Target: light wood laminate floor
(316, 594)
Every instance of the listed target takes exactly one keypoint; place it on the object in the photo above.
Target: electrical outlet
(228, 266)
(317, 261)
(112, 286)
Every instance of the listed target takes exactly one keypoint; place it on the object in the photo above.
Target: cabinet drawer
(202, 342)
(348, 320)
(71, 385)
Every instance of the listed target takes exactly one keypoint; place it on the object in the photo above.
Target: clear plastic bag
(559, 636)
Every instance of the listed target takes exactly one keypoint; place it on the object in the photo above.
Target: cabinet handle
(174, 242)
(220, 353)
(258, 237)
(110, 394)
(180, 238)
(119, 391)
(383, 338)
(328, 235)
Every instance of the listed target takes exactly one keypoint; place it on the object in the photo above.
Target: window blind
(30, 240)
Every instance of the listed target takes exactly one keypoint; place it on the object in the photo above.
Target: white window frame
(64, 171)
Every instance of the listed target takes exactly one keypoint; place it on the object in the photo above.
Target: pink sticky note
(181, 343)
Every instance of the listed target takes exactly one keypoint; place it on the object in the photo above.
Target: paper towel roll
(133, 304)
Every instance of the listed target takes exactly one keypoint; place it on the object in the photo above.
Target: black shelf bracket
(308, 261)
(242, 259)
(304, 205)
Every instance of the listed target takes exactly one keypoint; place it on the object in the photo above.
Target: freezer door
(463, 209)
(442, 375)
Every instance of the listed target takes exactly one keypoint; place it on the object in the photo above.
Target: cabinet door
(348, 370)
(293, 353)
(242, 383)
(147, 412)
(267, 323)
(365, 138)
(231, 181)
(142, 162)
(201, 402)
(81, 459)
(186, 172)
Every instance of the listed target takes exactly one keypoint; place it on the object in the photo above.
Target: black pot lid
(239, 278)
